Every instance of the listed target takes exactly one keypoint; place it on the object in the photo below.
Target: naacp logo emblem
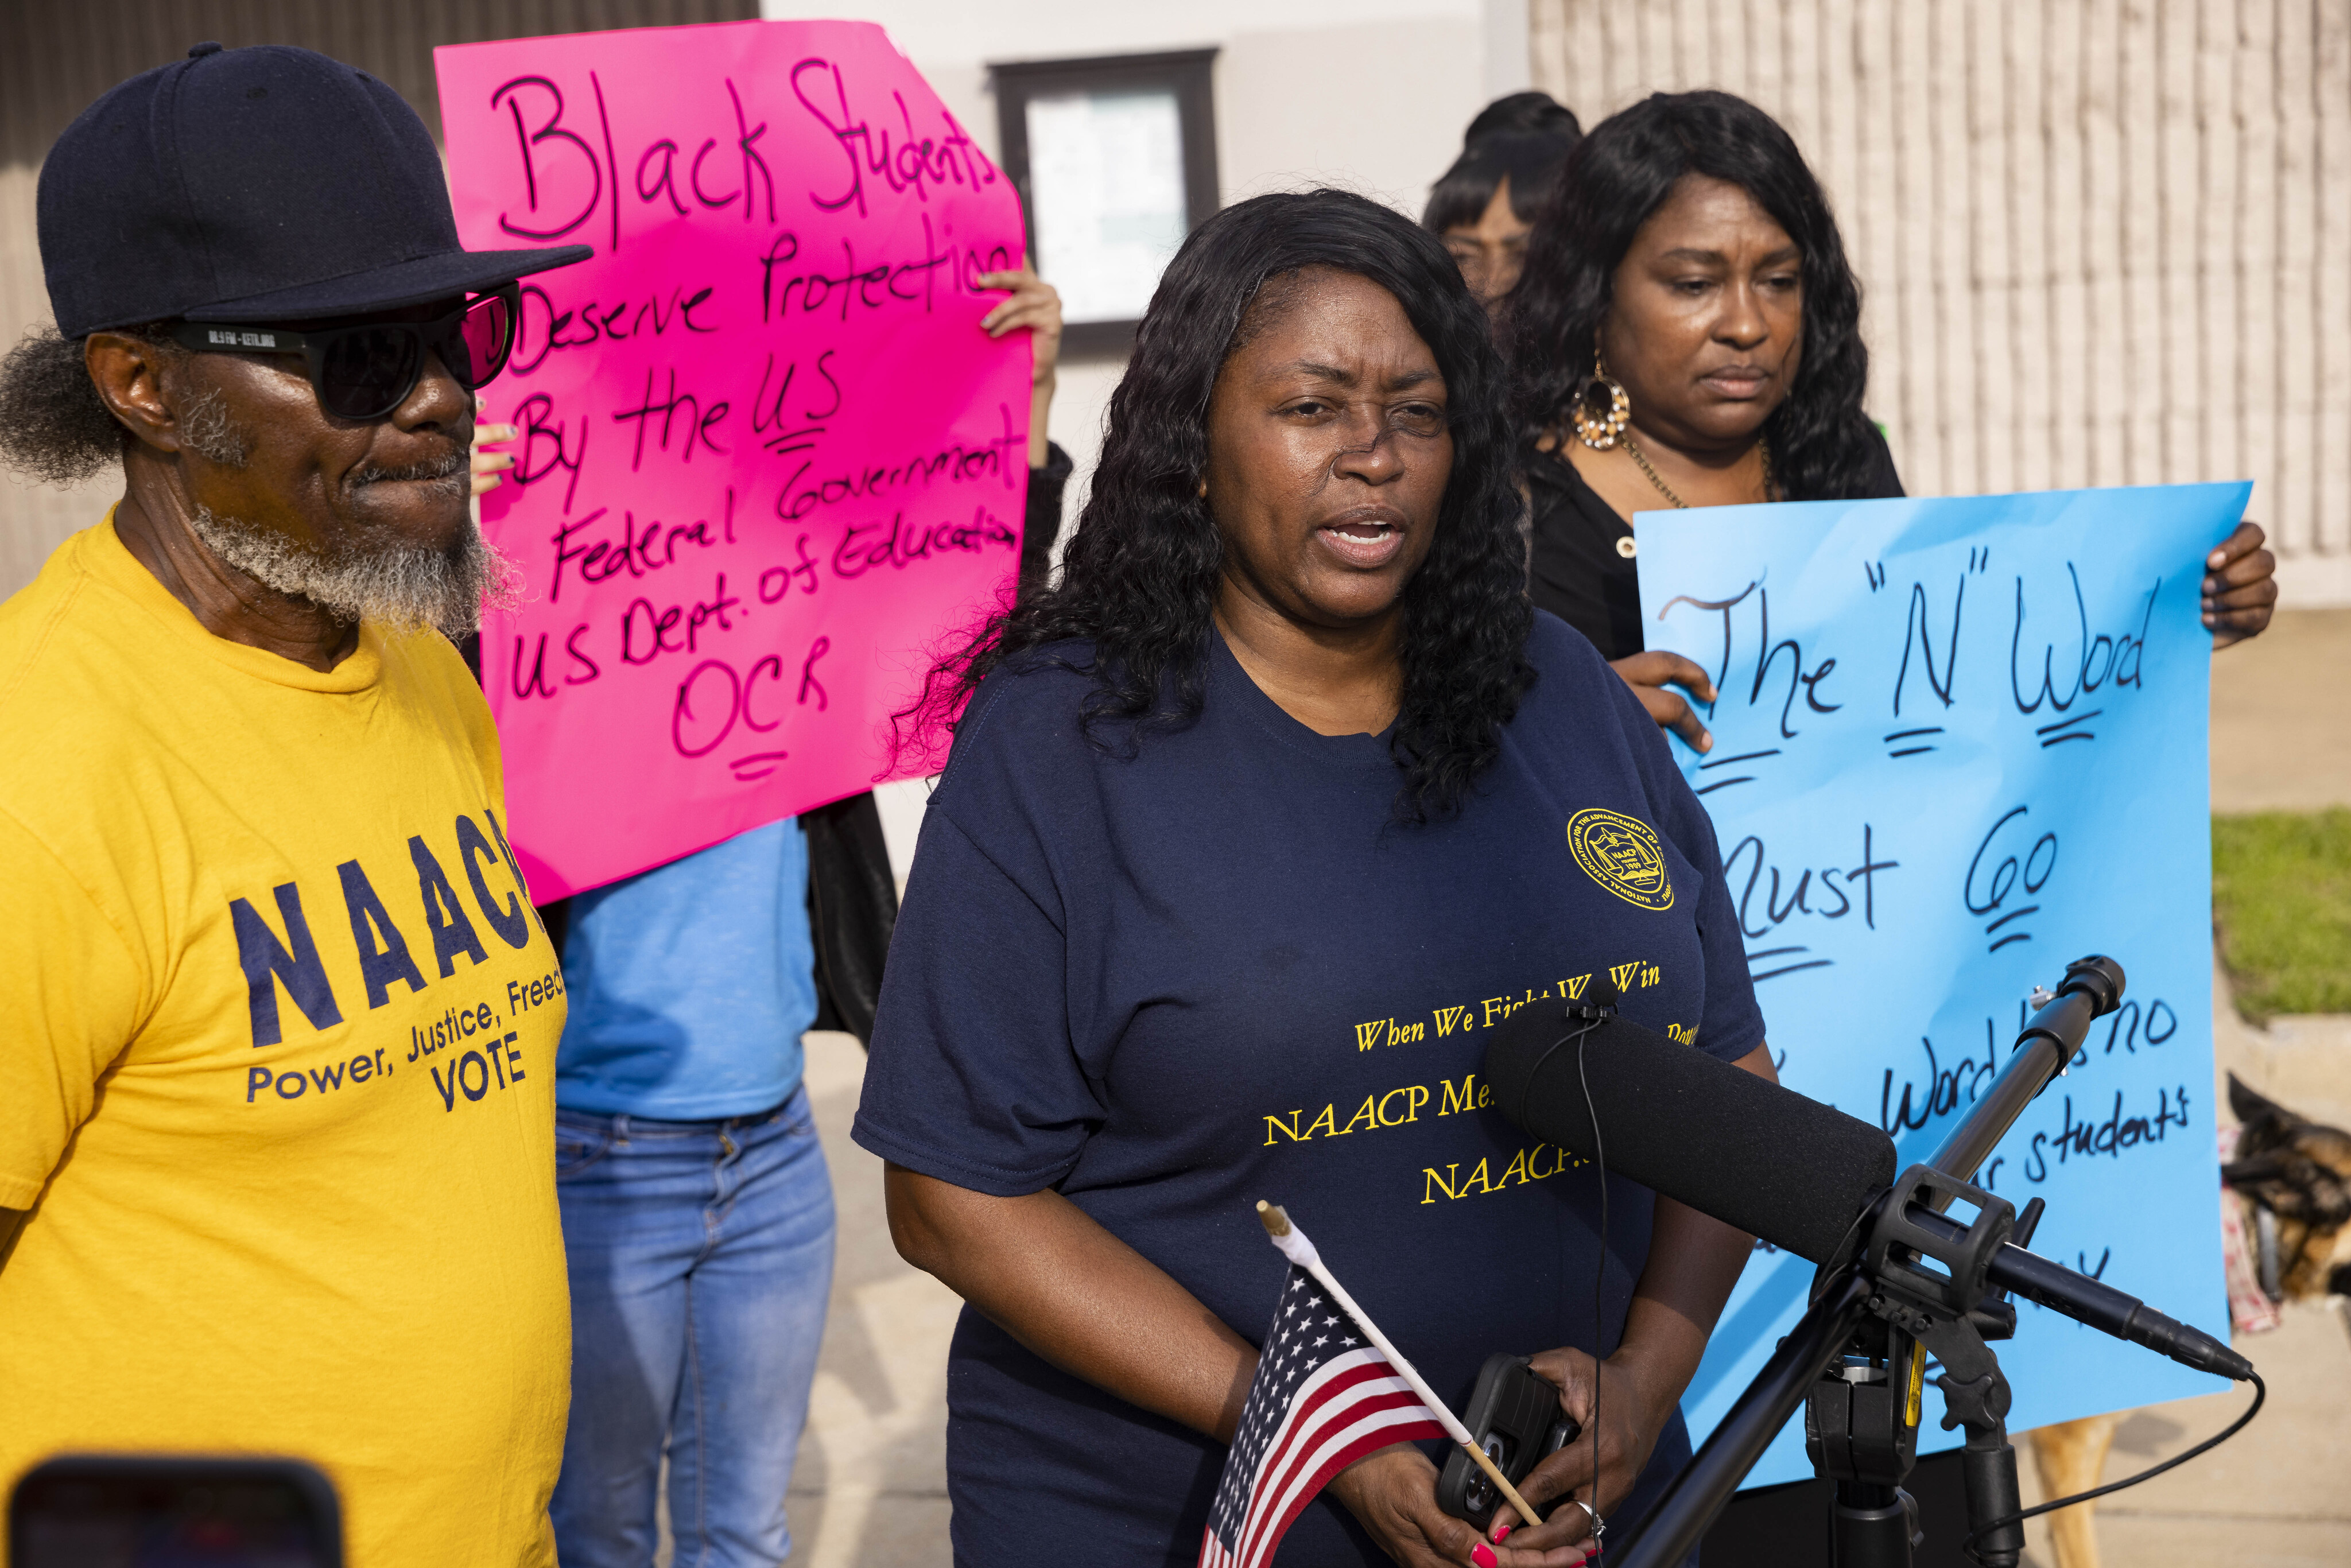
(1622, 854)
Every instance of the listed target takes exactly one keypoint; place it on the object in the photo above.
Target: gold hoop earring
(1601, 431)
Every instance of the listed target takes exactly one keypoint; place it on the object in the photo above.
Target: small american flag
(1323, 1397)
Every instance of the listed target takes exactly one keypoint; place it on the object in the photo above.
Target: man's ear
(129, 375)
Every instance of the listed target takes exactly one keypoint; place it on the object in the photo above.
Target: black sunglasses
(365, 371)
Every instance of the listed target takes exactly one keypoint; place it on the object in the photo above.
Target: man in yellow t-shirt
(276, 1069)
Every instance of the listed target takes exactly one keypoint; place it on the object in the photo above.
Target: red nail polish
(1502, 1533)
(1483, 1555)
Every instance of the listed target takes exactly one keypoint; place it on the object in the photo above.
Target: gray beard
(406, 587)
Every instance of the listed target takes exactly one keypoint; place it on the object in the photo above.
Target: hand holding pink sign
(766, 459)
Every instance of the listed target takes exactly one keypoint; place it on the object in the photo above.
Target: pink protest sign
(768, 459)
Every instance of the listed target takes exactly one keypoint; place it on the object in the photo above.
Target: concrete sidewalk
(2281, 716)
(871, 1487)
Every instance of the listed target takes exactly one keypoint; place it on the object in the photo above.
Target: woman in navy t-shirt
(1253, 827)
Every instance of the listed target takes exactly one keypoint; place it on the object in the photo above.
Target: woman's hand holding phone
(1393, 1495)
(1632, 1409)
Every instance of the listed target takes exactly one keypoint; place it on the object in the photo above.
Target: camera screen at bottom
(166, 1518)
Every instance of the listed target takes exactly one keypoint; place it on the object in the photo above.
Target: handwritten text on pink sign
(767, 459)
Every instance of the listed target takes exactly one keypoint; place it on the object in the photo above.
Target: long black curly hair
(1619, 174)
(1139, 579)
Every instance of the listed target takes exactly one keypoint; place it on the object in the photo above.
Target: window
(1115, 161)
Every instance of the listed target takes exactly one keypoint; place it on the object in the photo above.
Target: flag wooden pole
(1298, 1249)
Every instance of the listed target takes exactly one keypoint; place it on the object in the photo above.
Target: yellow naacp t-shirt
(277, 1033)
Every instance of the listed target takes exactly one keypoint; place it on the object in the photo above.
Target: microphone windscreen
(1698, 1129)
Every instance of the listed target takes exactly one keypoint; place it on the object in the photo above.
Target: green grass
(2282, 902)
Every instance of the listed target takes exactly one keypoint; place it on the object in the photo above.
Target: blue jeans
(701, 1256)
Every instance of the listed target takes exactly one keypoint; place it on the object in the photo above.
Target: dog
(2295, 1176)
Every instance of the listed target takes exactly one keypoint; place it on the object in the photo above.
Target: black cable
(1600, 1274)
(2260, 1393)
(1599, 1278)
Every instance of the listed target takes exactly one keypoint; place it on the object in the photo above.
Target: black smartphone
(1515, 1416)
(128, 1511)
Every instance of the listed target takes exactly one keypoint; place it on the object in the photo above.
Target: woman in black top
(1686, 332)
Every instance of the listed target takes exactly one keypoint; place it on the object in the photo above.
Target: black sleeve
(1577, 564)
(852, 907)
(1882, 483)
(1042, 524)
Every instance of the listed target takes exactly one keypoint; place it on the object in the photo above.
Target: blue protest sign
(1959, 743)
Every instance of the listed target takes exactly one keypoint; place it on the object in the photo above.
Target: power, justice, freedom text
(483, 1052)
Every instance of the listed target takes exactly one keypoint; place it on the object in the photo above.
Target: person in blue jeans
(697, 1213)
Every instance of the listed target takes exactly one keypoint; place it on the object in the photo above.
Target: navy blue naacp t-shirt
(1170, 981)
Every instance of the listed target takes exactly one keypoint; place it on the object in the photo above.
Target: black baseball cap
(261, 184)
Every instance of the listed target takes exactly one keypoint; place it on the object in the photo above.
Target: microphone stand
(1906, 1283)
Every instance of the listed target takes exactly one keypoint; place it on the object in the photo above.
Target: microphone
(1761, 1157)
(1712, 1135)
(2098, 1305)
(1598, 1002)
